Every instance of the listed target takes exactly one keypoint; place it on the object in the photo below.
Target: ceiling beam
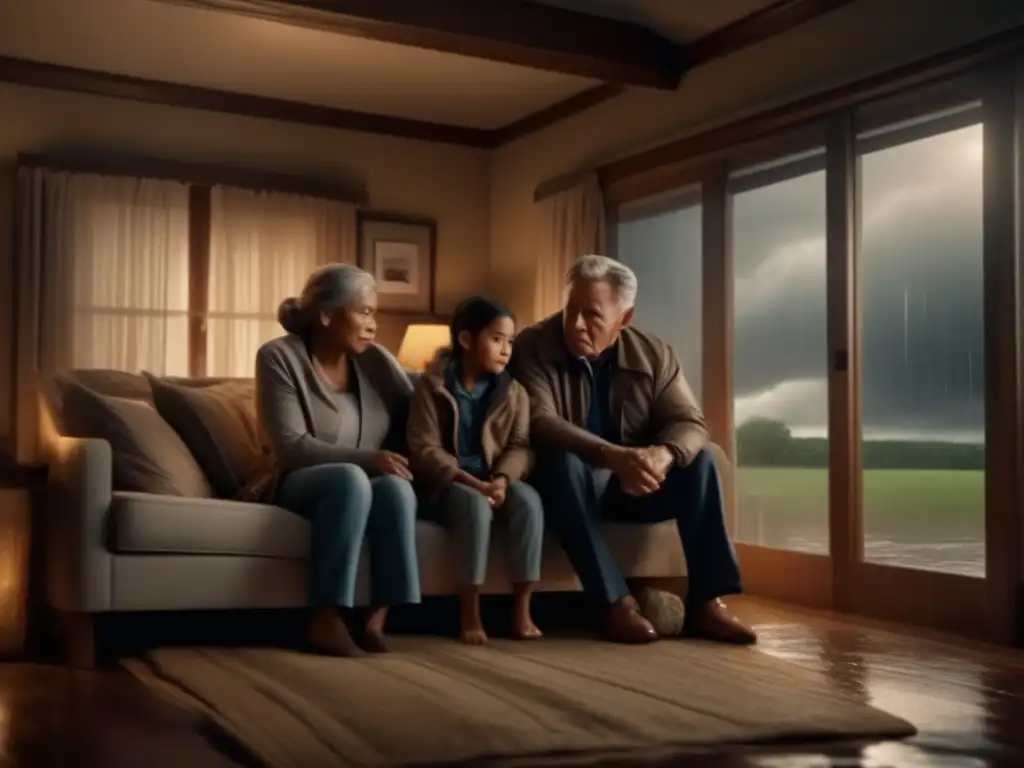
(560, 110)
(774, 19)
(510, 31)
(37, 74)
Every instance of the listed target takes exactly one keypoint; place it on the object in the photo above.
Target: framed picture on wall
(399, 251)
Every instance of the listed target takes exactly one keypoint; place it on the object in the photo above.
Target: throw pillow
(148, 456)
(218, 424)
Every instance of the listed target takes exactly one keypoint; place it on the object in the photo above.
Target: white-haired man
(620, 436)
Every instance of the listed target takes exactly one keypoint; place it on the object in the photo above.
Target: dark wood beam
(560, 110)
(511, 31)
(762, 24)
(747, 31)
(38, 74)
(758, 26)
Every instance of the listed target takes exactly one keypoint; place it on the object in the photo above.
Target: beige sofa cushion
(148, 456)
(141, 523)
(218, 424)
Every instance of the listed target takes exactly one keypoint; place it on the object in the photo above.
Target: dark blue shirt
(472, 411)
(600, 370)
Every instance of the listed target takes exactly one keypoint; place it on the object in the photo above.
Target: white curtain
(570, 224)
(102, 281)
(262, 248)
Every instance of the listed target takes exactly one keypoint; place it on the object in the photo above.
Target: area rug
(434, 701)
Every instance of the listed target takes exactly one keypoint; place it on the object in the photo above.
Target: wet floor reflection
(966, 702)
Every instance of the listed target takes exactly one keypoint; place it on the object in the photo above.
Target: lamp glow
(421, 343)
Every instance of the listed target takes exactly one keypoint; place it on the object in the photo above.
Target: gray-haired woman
(326, 398)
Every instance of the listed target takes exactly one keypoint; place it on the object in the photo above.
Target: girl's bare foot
(328, 634)
(524, 628)
(373, 638)
(473, 635)
(471, 626)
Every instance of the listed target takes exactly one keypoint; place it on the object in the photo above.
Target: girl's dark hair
(474, 315)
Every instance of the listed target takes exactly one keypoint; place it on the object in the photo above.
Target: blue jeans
(466, 513)
(577, 499)
(343, 505)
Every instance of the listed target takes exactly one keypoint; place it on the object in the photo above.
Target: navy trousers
(578, 498)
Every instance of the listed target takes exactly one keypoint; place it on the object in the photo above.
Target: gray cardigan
(298, 416)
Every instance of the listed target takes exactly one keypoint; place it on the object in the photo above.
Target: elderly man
(620, 437)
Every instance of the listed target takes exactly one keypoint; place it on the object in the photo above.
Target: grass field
(782, 507)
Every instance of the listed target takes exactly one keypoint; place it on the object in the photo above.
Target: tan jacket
(651, 401)
(433, 426)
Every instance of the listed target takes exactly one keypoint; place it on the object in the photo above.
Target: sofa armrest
(78, 562)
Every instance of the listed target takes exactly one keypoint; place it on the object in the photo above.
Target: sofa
(115, 543)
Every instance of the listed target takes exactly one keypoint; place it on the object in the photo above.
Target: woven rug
(434, 701)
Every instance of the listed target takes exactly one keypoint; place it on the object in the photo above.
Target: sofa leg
(80, 639)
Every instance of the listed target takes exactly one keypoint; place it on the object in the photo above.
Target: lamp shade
(420, 345)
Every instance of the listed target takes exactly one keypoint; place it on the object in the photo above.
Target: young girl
(468, 438)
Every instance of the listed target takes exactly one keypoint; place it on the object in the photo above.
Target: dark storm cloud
(921, 291)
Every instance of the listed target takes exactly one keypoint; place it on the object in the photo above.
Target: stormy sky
(921, 273)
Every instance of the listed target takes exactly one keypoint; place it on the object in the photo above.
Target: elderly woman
(326, 397)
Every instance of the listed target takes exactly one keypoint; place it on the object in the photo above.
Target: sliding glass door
(780, 374)
(932, 279)
(845, 301)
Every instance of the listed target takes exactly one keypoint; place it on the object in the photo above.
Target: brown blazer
(433, 426)
(651, 401)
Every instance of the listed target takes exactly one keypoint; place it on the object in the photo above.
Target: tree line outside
(764, 442)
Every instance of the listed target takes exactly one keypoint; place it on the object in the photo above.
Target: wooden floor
(967, 701)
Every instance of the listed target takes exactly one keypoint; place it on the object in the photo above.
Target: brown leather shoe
(712, 621)
(624, 624)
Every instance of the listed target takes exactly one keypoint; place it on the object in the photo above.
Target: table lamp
(420, 345)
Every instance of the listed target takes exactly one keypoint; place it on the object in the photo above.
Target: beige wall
(866, 37)
(445, 182)
(484, 202)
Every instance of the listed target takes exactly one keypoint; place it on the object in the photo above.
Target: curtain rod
(202, 174)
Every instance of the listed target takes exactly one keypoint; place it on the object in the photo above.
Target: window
(262, 248)
(922, 338)
(660, 239)
(130, 240)
(780, 368)
(139, 276)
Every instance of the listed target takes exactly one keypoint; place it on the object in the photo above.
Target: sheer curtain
(102, 277)
(262, 248)
(131, 274)
(570, 224)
